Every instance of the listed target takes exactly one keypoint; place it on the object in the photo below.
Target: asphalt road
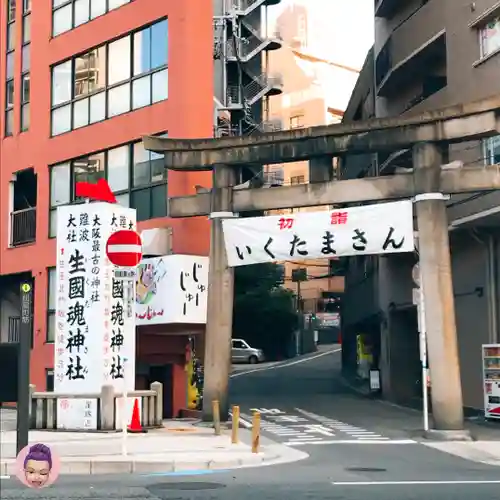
(386, 464)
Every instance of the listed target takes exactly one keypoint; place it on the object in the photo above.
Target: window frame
(489, 150)
(480, 30)
(72, 3)
(11, 7)
(50, 312)
(297, 121)
(25, 74)
(49, 372)
(107, 88)
(128, 191)
(296, 180)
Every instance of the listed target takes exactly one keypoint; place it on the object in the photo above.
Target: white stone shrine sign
(94, 340)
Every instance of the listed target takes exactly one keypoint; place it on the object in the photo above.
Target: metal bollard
(256, 432)
(235, 425)
(216, 416)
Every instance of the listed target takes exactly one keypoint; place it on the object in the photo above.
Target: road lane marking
(285, 364)
(337, 425)
(412, 483)
(307, 433)
(300, 442)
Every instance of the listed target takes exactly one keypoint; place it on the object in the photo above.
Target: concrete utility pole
(426, 183)
(220, 299)
(435, 268)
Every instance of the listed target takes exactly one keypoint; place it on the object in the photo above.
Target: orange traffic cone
(135, 423)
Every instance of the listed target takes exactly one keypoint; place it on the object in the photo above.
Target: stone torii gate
(427, 183)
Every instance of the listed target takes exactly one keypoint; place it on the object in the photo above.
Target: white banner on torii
(371, 229)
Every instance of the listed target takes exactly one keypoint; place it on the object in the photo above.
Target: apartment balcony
(23, 227)
(13, 331)
(246, 7)
(415, 47)
(275, 176)
(386, 8)
(11, 336)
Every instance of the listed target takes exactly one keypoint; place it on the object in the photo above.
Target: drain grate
(365, 469)
(191, 486)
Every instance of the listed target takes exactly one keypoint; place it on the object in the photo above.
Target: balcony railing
(13, 329)
(402, 40)
(23, 226)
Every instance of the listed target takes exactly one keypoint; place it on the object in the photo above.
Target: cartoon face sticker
(38, 466)
(148, 275)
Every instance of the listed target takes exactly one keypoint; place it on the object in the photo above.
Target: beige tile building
(303, 104)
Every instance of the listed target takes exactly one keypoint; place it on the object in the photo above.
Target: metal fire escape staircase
(246, 7)
(251, 44)
(243, 44)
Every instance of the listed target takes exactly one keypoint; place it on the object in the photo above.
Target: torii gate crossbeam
(427, 182)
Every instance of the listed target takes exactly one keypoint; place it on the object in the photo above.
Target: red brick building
(83, 81)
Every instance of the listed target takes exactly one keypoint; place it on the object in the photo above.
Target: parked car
(241, 352)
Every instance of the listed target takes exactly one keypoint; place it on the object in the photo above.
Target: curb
(79, 466)
(362, 392)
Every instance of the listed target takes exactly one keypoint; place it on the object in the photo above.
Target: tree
(264, 312)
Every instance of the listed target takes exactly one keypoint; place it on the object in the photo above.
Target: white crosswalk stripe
(306, 428)
(357, 433)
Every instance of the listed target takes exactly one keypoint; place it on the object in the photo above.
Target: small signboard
(125, 274)
(77, 414)
(26, 300)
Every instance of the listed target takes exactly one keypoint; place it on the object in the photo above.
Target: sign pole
(423, 358)
(25, 333)
(128, 297)
(125, 406)
(422, 336)
(124, 250)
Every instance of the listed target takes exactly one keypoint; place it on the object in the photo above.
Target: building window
(69, 14)
(489, 36)
(9, 69)
(49, 380)
(137, 177)
(491, 150)
(51, 304)
(297, 121)
(121, 76)
(25, 67)
(297, 179)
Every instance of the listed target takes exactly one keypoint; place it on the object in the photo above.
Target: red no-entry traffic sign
(124, 248)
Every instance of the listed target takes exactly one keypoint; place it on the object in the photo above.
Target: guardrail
(44, 405)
